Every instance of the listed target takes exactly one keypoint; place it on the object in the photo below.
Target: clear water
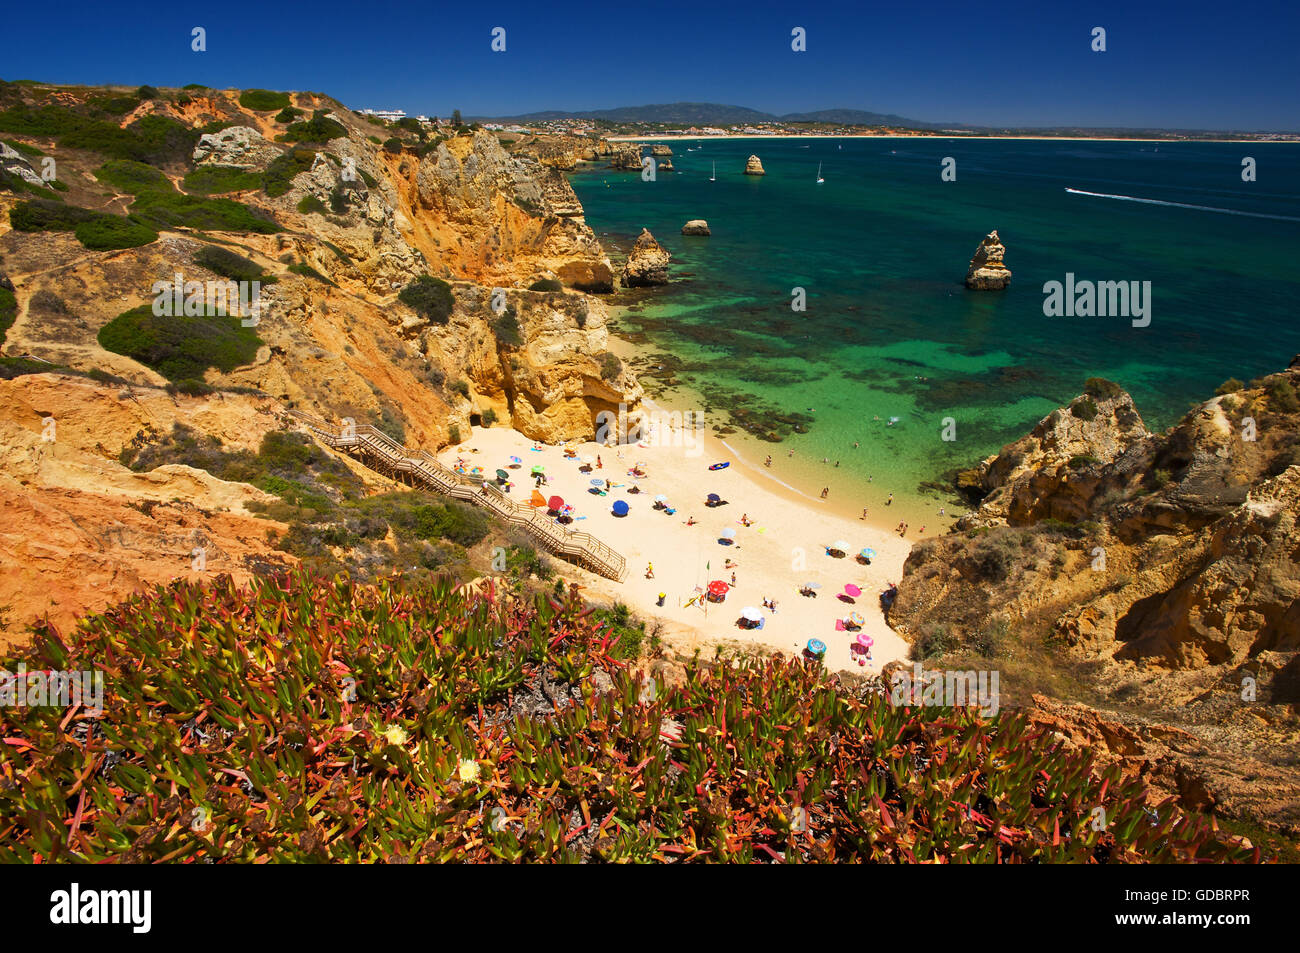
(882, 248)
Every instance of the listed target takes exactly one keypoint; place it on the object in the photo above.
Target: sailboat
(820, 180)
(714, 177)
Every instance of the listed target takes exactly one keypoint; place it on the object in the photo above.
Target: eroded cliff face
(358, 224)
(1177, 550)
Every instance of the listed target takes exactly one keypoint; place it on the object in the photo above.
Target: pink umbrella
(865, 640)
(852, 590)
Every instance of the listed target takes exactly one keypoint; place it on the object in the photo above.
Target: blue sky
(1186, 64)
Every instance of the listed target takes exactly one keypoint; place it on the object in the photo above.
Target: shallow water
(881, 249)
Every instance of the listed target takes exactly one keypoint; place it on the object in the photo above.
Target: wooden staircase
(385, 455)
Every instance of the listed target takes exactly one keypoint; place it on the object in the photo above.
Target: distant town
(595, 128)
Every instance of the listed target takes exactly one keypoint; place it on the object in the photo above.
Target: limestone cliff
(754, 166)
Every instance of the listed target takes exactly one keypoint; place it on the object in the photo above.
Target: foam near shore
(784, 546)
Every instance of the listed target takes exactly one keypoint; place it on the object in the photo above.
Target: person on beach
(890, 501)
(599, 465)
(791, 453)
(864, 513)
(837, 463)
(825, 490)
(768, 462)
(855, 445)
(690, 521)
(921, 532)
(649, 570)
(733, 578)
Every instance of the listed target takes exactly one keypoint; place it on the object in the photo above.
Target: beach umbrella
(516, 460)
(597, 482)
(852, 590)
(586, 458)
(661, 498)
(555, 502)
(750, 614)
(856, 618)
(718, 588)
(567, 509)
(620, 507)
(714, 498)
(868, 554)
(503, 475)
(538, 469)
(840, 546)
(812, 585)
(728, 533)
(816, 646)
(865, 640)
(537, 499)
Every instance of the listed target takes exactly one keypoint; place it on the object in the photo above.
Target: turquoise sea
(882, 247)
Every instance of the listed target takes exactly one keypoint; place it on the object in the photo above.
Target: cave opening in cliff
(476, 420)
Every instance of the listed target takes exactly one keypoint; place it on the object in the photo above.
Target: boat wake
(1199, 208)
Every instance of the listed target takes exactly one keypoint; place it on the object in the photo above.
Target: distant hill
(706, 114)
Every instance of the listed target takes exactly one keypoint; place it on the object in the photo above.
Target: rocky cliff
(754, 166)
(1155, 572)
(335, 216)
(987, 272)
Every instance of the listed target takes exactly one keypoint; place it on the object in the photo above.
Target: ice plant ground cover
(309, 719)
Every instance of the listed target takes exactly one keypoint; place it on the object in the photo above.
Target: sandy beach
(783, 546)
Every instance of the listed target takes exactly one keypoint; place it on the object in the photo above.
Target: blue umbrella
(713, 497)
(597, 482)
(620, 508)
(868, 554)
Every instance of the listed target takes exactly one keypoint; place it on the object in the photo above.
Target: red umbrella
(852, 590)
(555, 502)
(718, 588)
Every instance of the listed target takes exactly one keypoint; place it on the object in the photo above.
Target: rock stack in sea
(987, 272)
(754, 166)
(647, 264)
(696, 226)
(660, 150)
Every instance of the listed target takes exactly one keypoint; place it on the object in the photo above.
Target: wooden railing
(385, 455)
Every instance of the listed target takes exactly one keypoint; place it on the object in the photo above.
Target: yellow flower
(396, 735)
(469, 770)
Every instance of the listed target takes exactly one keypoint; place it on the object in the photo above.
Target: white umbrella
(841, 545)
(661, 498)
(812, 585)
(728, 533)
(750, 613)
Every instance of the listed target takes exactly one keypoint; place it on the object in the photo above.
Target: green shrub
(460, 387)
(506, 328)
(546, 284)
(1230, 386)
(108, 232)
(393, 145)
(1082, 461)
(317, 129)
(227, 264)
(430, 297)
(216, 179)
(610, 365)
(489, 417)
(263, 100)
(366, 177)
(113, 105)
(153, 139)
(45, 215)
(191, 388)
(146, 92)
(309, 203)
(288, 114)
(133, 177)
(453, 433)
(339, 199)
(1282, 396)
(1085, 408)
(279, 175)
(28, 150)
(1102, 389)
(178, 210)
(180, 347)
(8, 311)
